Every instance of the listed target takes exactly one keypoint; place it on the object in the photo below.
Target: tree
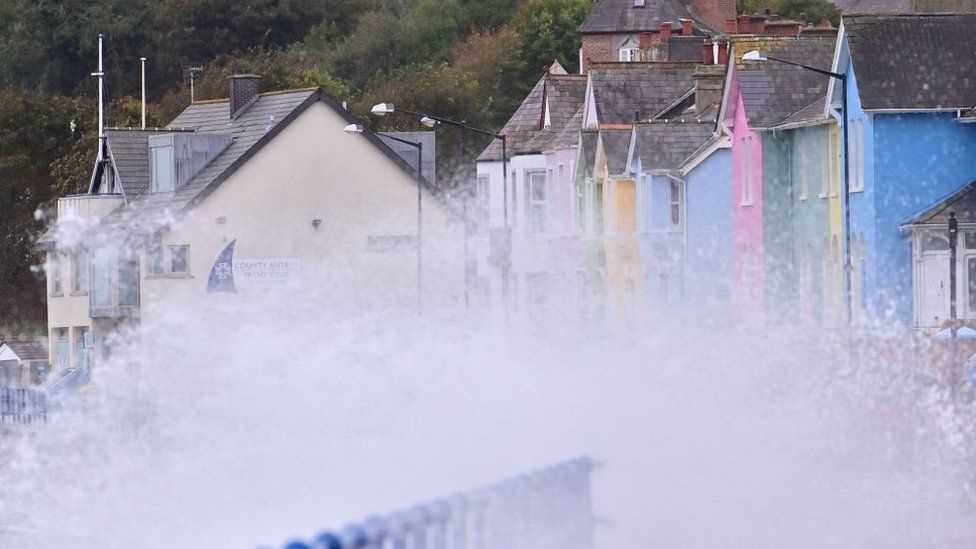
(548, 31)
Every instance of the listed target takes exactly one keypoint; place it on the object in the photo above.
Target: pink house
(762, 97)
(747, 200)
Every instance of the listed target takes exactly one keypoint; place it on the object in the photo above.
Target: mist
(254, 421)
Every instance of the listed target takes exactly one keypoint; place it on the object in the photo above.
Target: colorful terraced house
(759, 97)
(911, 84)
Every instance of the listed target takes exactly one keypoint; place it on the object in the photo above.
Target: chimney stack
(244, 90)
(709, 82)
(723, 53)
(685, 27)
(708, 56)
(665, 30)
(644, 40)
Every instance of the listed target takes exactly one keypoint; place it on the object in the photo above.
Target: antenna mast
(143, 60)
(101, 94)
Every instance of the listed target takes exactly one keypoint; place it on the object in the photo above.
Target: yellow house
(236, 198)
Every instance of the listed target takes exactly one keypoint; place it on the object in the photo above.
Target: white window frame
(62, 346)
(746, 194)
(159, 261)
(532, 204)
(803, 165)
(484, 199)
(834, 159)
(79, 267)
(154, 171)
(676, 203)
(55, 273)
(629, 51)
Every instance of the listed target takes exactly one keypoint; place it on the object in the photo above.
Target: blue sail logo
(222, 273)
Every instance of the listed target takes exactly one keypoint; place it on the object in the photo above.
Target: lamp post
(359, 128)
(430, 121)
(953, 239)
(848, 267)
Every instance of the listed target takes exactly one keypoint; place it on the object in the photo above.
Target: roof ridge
(262, 94)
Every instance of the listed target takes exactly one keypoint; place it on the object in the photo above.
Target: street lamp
(755, 55)
(430, 121)
(359, 128)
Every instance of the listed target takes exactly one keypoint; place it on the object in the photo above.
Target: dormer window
(629, 50)
(161, 168)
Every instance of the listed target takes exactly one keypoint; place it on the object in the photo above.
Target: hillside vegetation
(470, 60)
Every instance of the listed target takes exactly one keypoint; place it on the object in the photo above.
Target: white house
(242, 196)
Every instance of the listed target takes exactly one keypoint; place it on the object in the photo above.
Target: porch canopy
(962, 202)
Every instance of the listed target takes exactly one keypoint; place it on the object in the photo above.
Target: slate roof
(914, 61)
(616, 145)
(27, 349)
(520, 128)
(772, 91)
(564, 95)
(250, 130)
(128, 148)
(811, 113)
(666, 145)
(620, 89)
(621, 16)
(588, 139)
(874, 6)
(568, 137)
(963, 202)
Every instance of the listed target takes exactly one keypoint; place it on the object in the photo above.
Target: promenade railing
(548, 508)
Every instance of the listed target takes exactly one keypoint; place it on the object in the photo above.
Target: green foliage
(548, 31)
(470, 60)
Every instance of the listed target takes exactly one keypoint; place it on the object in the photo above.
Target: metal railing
(549, 508)
(22, 406)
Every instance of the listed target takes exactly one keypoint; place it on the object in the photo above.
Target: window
(971, 278)
(161, 167)
(861, 155)
(164, 260)
(934, 242)
(128, 282)
(54, 273)
(562, 174)
(155, 261)
(638, 3)
(81, 345)
(535, 182)
(179, 259)
(61, 348)
(629, 51)
(825, 171)
(970, 241)
(513, 199)
(79, 272)
(746, 178)
(101, 286)
(834, 164)
(484, 200)
(804, 168)
(675, 204)
(629, 54)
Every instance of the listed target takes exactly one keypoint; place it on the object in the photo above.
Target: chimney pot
(665, 30)
(723, 53)
(244, 89)
(708, 57)
(685, 27)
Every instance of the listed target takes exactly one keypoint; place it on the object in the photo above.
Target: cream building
(239, 197)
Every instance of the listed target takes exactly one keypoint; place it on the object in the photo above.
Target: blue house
(910, 80)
